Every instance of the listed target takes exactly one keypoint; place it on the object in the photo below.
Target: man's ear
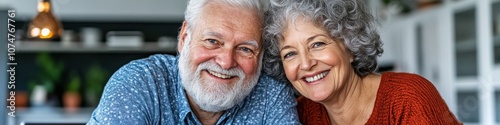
(182, 36)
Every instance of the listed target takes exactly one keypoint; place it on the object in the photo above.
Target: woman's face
(317, 65)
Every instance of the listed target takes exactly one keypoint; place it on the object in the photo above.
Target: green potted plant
(42, 87)
(95, 79)
(71, 97)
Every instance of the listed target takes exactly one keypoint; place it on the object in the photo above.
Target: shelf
(466, 45)
(467, 87)
(78, 47)
(51, 115)
(467, 84)
(471, 44)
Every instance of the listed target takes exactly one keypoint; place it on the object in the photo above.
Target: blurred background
(66, 50)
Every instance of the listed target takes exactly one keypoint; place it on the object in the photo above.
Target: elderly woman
(328, 50)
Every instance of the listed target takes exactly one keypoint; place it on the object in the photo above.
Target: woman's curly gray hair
(346, 20)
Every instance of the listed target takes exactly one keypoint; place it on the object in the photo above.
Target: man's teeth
(219, 74)
(316, 77)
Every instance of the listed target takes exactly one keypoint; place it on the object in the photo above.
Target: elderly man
(214, 80)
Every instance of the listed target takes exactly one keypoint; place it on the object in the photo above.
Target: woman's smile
(310, 79)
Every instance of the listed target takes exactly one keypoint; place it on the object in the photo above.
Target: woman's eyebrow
(312, 37)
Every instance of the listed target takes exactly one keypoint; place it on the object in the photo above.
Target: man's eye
(213, 41)
(318, 44)
(245, 51)
(288, 55)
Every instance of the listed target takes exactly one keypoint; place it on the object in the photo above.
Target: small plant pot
(72, 101)
(22, 98)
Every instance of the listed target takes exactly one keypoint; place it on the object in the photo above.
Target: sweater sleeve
(423, 105)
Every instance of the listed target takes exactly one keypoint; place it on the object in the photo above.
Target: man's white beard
(208, 95)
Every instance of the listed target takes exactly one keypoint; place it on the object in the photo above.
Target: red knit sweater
(402, 98)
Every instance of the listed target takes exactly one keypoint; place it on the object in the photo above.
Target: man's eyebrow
(214, 34)
(252, 43)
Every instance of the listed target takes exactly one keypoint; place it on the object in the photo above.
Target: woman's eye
(288, 55)
(318, 44)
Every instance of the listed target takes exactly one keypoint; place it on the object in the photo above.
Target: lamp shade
(45, 26)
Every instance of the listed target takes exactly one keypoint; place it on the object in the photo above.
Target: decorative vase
(38, 96)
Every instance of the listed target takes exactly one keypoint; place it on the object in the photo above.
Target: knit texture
(402, 98)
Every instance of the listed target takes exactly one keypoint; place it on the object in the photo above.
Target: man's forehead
(229, 23)
(221, 13)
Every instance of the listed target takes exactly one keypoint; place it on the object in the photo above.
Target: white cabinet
(456, 45)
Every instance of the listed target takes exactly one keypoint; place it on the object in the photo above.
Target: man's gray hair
(195, 8)
(347, 21)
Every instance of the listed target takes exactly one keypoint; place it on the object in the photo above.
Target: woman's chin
(317, 97)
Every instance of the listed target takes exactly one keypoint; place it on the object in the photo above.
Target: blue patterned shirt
(148, 91)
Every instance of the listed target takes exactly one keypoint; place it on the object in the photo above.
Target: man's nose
(307, 61)
(226, 59)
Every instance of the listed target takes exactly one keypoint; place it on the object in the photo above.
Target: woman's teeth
(316, 77)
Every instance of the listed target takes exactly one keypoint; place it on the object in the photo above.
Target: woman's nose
(307, 61)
